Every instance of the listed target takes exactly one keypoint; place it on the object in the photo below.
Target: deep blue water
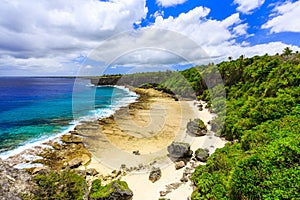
(33, 109)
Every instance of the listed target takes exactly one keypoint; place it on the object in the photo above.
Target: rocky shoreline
(74, 151)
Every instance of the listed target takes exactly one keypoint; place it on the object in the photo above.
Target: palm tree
(287, 51)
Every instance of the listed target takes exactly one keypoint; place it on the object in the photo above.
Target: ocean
(33, 110)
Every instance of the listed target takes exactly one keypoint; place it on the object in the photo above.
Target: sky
(92, 37)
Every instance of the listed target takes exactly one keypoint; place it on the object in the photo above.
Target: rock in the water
(179, 165)
(180, 150)
(197, 127)
(155, 174)
(74, 163)
(202, 154)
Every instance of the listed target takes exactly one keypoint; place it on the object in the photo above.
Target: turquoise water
(34, 109)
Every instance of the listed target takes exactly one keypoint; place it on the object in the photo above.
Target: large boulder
(197, 127)
(180, 150)
(155, 174)
(202, 154)
(116, 190)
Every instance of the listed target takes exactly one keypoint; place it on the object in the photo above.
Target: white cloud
(195, 25)
(285, 18)
(168, 3)
(240, 29)
(246, 6)
(236, 50)
(34, 30)
(47, 38)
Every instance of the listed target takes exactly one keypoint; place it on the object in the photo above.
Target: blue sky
(91, 37)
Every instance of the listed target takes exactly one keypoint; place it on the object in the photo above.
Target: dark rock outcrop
(197, 127)
(137, 152)
(202, 154)
(92, 172)
(111, 80)
(180, 150)
(155, 174)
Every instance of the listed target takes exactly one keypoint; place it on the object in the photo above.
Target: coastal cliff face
(131, 80)
(113, 80)
(14, 183)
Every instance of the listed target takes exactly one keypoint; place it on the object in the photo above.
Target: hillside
(263, 121)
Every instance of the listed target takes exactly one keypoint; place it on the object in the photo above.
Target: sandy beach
(133, 140)
(149, 126)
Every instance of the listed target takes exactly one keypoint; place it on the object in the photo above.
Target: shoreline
(103, 145)
(45, 140)
(170, 185)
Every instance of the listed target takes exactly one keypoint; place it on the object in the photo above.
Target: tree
(287, 51)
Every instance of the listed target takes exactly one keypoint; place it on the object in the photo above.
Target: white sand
(144, 189)
(113, 143)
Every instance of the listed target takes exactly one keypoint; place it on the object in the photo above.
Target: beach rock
(14, 183)
(173, 186)
(184, 178)
(81, 173)
(155, 174)
(197, 127)
(75, 132)
(37, 170)
(202, 154)
(162, 194)
(92, 172)
(116, 190)
(85, 159)
(179, 165)
(71, 139)
(179, 150)
(137, 152)
(74, 163)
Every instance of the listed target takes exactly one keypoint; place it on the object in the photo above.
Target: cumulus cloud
(189, 38)
(55, 37)
(206, 32)
(285, 18)
(216, 37)
(34, 30)
(168, 3)
(246, 6)
(145, 49)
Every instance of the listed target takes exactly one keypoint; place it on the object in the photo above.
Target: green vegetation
(263, 120)
(60, 185)
(117, 189)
